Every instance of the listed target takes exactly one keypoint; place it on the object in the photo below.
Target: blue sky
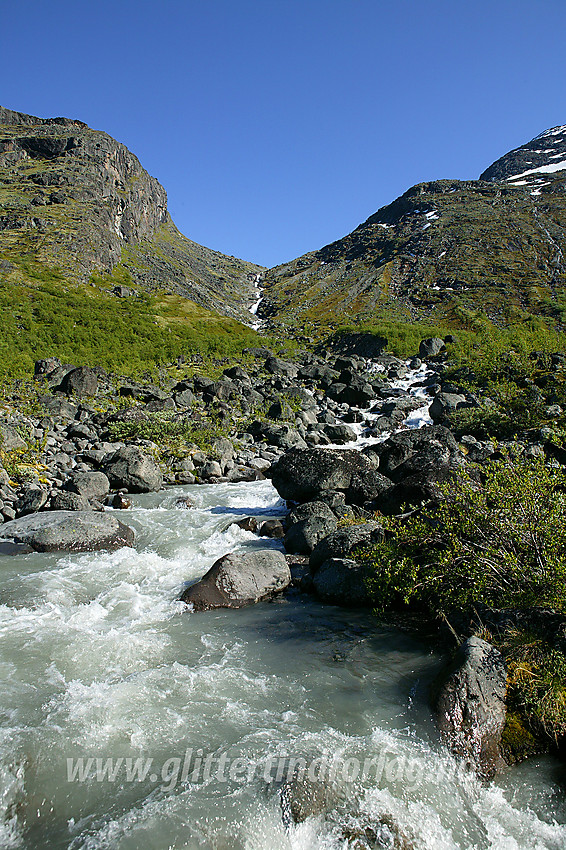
(277, 126)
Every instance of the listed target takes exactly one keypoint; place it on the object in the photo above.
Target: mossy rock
(517, 741)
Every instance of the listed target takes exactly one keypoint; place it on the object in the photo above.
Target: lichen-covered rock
(68, 531)
(134, 470)
(301, 475)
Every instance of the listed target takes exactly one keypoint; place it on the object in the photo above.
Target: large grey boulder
(239, 579)
(133, 469)
(302, 537)
(470, 704)
(68, 531)
(446, 403)
(82, 382)
(431, 347)
(91, 485)
(282, 434)
(301, 475)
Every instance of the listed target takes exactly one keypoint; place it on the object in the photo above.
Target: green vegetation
(87, 325)
(25, 463)
(498, 540)
(536, 685)
(175, 436)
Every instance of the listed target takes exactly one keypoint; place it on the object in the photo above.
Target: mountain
(76, 201)
(442, 252)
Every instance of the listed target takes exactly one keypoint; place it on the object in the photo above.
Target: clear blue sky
(277, 126)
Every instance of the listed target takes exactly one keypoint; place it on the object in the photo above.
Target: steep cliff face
(442, 249)
(75, 198)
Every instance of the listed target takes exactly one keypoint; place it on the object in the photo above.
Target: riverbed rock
(469, 704)
(91, 485)
(342, 581)
(301, 475)
(239, 579)
(132, 469)
(68, 531)
(302, 537)
(342, 542)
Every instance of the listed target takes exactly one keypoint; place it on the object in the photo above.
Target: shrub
(500, 542)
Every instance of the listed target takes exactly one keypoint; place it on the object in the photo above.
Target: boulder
(470, 704)
(435, 444)
(91, 485)
(82, 382)
(68, 531)
(340, 433)
(302, 537)
(342, 581)
(342, 542)
(30, 499)
(276, 366)
(431, 347)
(64, 500)
(272, 528)
(239, 579)
(45, 367)
(10, 439)
(132, 469)
(444, 404)
(417, 462)
(301, 475)
(281, 435)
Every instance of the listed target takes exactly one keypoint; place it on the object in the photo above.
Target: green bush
(501, 542)
(169, 432)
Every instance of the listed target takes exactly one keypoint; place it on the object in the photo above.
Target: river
(129, 722)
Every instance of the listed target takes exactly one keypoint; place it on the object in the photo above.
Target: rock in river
(470, 703)
(68, 531)
(239, 579)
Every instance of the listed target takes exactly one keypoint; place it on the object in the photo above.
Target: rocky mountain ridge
(442, 250)
(76, 199)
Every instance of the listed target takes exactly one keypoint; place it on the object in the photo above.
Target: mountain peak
(533, 163)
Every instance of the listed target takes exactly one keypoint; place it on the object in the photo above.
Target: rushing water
(100, 661)
(201, 715)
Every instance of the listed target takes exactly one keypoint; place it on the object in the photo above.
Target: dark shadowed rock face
(68, 531)
(342, 581)
(239, 579)
(342, 542)
(470, 704)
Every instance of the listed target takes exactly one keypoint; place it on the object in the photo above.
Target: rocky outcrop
(105, 202)
(470, 704)
(239, 579)
(68, 531)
